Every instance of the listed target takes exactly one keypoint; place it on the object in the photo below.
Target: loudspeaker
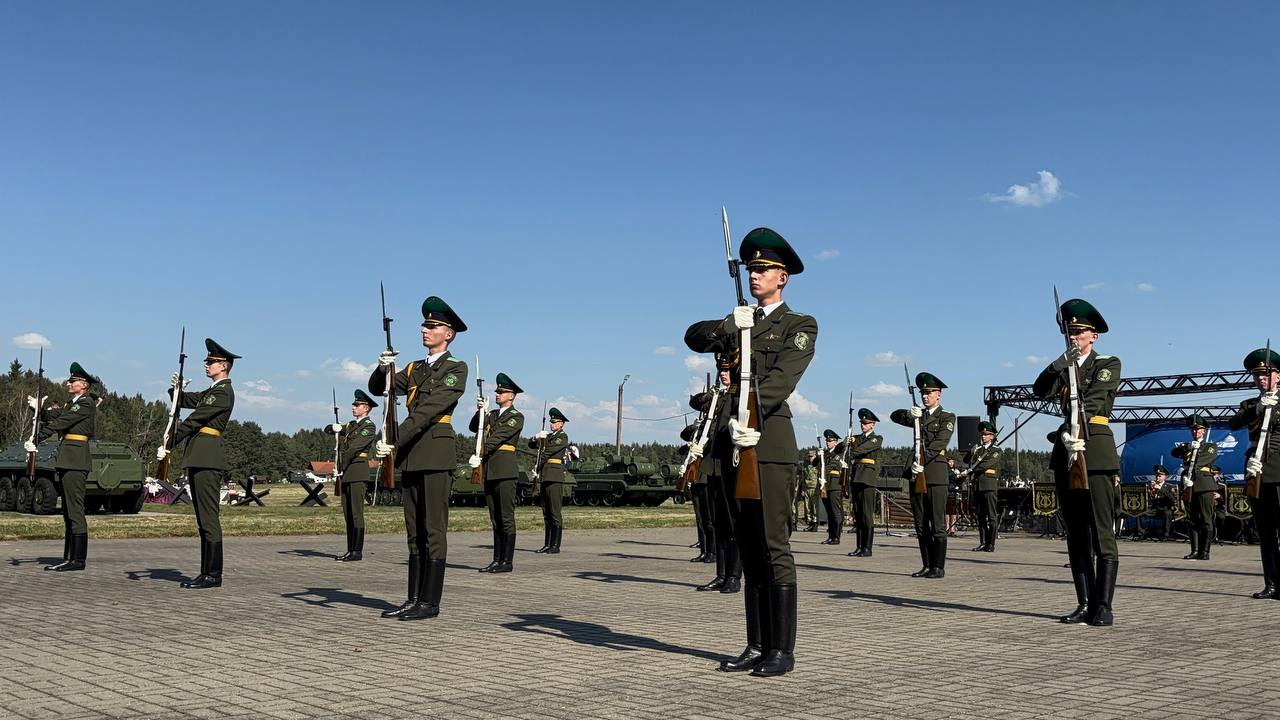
(967, 432)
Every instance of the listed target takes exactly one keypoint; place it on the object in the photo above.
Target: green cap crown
(363, 397)
(867, 416)
(1261, 359)
(986, 427)
(928, 381)
(1196, 420)
(217, 353)
(1160, 470)
(437, 312)
(763, 247)
(555, 414)
(505, 382)
(830, 434)
(77, 371)
(1079, 314)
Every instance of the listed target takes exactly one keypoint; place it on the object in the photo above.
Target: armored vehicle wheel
(397, 497)
(8, 494)
(44, 497)
(678, 499)
(384, 497)
(23, 495)
(612, 499)
(593, 500)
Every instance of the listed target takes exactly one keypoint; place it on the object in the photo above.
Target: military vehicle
(115, 484)
(619, 480)
(464, 493)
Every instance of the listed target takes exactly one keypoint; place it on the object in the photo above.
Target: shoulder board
(793, 313)
(1106, 357)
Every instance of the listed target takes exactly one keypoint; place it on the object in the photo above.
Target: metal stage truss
(1020, 397)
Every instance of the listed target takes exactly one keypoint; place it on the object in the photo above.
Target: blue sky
(556, 172)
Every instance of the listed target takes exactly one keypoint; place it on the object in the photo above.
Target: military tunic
(498, 457)
(864, 455)
(1203, 490)
(929, 509)
(203, 457)
(833, 503)
(1266, 507)
(983, 462)
(75, 424)
(551, 477)
(355, 444)
(425, 447)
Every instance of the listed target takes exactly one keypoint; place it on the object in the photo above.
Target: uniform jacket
(833, 460)
(1202, 473)
(1099, 380)
(781, 349)
(425, 438)
(864, 453)
(1250, 415)
(202, 430)
(984, 466)
(501, 433)
(936, 427)
(76, 419)
(554, 446)
(354, 449)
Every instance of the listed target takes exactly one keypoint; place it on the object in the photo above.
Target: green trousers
(500, 498)
(763, 528)
(206, 491)
(1090, 516)
(1200, 512)
(864, 506)
(552, 498)
(71, 484)
(426, 512)
(929, 511)
(353, 503)
(987, 508)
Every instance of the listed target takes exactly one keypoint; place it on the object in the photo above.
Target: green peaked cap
(504, 382)
(1262, 358)
(830, 434)
(77, 371)
(216, 352)
(1196, 420)
(763, 247)
(555, 414)
(986, 427)
(688, 432)
(437, 312)
(928, 381)
(865, 414)
(363, 397)
(1080, 314)
(1160, 470)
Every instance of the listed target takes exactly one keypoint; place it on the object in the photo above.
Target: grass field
(282, 516)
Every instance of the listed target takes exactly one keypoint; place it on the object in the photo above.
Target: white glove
(1071, 442)
(1253, 467)
(382, 449)
(29, 446)
(335, 427)
(695, 451)
(387, 357)
(743, 437)
(162, 453)
(1188, 483)
(916, 411)
(743, 317)
(482, 404)
(1195, 444)
(1269, 400)
(33, 403)
(173, 381)
(541, 434)
(474, 461)
(916, 468)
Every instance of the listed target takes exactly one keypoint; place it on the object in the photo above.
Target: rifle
(390, 426)
(848, 469)
(35, 420)
(921, 486)
(477, 473)
(747, 483)
(1253, 483)
(689, 468)
(1078, 472)
(537, 461)
(171, 427)
(337, 440)
(1189, 469)
(822, 465)
(1018, 426)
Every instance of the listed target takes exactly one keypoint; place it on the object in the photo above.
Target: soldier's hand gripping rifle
(921, 485)
(477, 472)
(390, 425)
(1077, 472)
(35, 420)
(690, 466)
(1253, 481)
(171, 427)
(337, 442)
(748, 415)
(537, 461)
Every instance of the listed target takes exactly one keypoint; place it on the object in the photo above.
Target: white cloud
(645, 401)
(1036, 359)
(1006, 364)
(31, 341)
(259, 385)
(698, 362)
(304, 373)
(1047, 189)
(1146, 287)
(664, 350)
(802, 406)
(884, 359)
(267, 402)
(1094, 286)
(347, 369)
(883, 390)
(828, 255)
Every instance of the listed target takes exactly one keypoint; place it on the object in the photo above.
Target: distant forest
(140, 424)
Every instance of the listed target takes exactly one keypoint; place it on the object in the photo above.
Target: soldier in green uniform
(1199, 480)
(864, 457)
(356, 438)
(498, 455)
(552, 447)
(809, 485)
(1264, 363)
(1088, 513)
(425, 452)
(720, 502)
(74, 424)
(833, 501)
(782, 345)
(929, 509)
(702, 518)
(205, 463)
(981, 463)
(1160, 497)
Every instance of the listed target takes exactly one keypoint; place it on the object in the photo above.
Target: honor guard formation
(740, 458)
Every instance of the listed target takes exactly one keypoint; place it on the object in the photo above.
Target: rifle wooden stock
(162, 469)
(690, 475)
(477, 475)
(747, 484)
(31, 465)
(1078, 473)
(921, 484)
(1253, 485)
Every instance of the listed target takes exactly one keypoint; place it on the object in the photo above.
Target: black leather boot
(430, 587)
(1082, 578)
(213, 578)
(79, 550)
(546, 539)
(753, 598)
(868, 541)
(556, 535)
(346, 554)
(732, 568)
(992, 530)
(982, 539)
(357, 546)
(779, 658)
(204, 566)
(924, 557)
(508, 552)
(1195, 545)
(718, 581)
(1104, 589)
(1268, 577)
(498, 540)
(414, 584)
(66, 551)
(939, 559)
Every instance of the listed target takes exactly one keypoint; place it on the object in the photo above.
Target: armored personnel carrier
(115, 484)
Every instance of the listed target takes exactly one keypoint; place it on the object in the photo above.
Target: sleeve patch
(801, 340)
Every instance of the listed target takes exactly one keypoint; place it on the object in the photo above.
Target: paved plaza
(612, 628)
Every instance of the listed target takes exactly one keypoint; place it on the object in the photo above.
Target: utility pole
(618, 442)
